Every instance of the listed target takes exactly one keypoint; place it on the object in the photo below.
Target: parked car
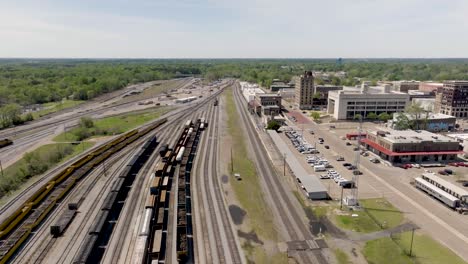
(355, 148)
(324, 176)
(442, 172)
(347, 164)
(465, 184)
(406, 166)
(327, 147)
(339, 158)
(311, 132)
(348, 143)
(448, 171)
(357, 172)
(374, 160)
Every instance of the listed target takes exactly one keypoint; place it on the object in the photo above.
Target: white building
(249, 90)
(349, 102)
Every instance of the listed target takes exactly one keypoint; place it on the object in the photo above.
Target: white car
(324, 176)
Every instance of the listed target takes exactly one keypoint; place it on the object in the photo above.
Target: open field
(341, 257)
(426, 250)
(55, 107)
(248, 190)
(386, 215)
(34, 164)
(377, 214)
(115, 124)
(384, 251)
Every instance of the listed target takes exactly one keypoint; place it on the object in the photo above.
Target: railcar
(432, 190)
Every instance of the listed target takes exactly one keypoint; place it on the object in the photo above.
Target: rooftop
(411, 136)
(431, 116)
(311, 183)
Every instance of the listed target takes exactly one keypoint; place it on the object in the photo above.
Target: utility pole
(284, 164)
(411, 247)
(341, 200)
(232, 162)
(1, 168)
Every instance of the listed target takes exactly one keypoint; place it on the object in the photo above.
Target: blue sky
(234, 29)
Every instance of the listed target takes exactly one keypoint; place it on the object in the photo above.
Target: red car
(406, 166)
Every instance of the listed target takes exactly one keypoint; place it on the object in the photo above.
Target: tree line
(27, 82)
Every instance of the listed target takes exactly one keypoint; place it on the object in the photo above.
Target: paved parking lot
(440, 222)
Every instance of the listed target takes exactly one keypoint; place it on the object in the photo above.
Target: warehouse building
(346, 104)
(310, 184)
(412, 146)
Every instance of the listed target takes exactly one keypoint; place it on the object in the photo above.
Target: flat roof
(269, 95)
(436, 189)
(462, 136)
(431, 116)
(311, 183)
(454, 188)
(411, 136)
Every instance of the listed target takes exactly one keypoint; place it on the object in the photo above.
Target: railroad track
(288, 211)
(180, 113)
(42, 246)
(217, 229)
(175, 114)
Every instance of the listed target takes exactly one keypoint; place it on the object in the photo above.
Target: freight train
(19, 225)
(152, 233)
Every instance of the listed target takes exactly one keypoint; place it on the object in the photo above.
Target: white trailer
(180, 154)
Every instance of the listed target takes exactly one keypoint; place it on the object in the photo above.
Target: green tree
(315, 115)
(402, 122)
(273, 125)
(28, 117)
(10, 115)
(86, 122)
(384, 117)
(357, 116)
(372, 116)
(415, 111)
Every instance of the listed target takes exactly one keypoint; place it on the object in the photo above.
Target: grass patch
(427, 250)
(36, 163)
(113, 125)
(383, 212)
(378, 214)
(341, 256)
(362, 223)
(248, 191)
(55, 107)
(384, 251)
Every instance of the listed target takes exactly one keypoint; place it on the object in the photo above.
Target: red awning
(421, 153)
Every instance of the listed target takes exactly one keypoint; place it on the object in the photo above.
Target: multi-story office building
(320, 96)
(453, 99)
(304, 90)
(412, 146)
(346, 104)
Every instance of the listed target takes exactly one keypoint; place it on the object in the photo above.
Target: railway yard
(134, 186)
(156, 193)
